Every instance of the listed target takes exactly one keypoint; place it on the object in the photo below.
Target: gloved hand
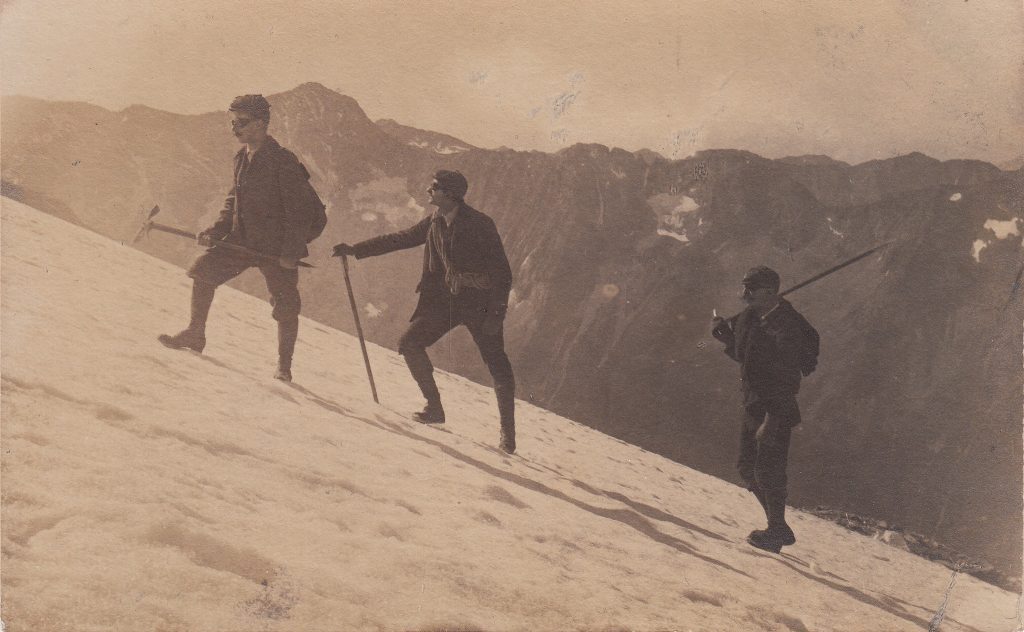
(343, 249)
(720, 329)
(205, 239)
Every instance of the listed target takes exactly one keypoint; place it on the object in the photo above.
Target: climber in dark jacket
(266, 211)
(775, 346)
(466, 280)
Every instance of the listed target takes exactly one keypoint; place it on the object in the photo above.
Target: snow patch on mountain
(1001, 229)
(673, 211)
(437, 148)
(977, 247)
(386, 200)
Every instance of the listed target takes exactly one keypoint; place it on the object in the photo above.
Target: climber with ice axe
(270, 214)
(775, 346)
(148, 224)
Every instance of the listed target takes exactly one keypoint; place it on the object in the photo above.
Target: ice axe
(148, 224)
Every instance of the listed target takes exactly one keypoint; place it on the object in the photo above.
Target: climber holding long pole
(775, 347)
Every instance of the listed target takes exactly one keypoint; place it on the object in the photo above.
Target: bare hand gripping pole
(148, 224)
(359, 328)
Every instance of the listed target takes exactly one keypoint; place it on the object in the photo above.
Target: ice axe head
(147, 223)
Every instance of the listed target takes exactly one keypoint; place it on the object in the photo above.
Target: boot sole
(170, 345)
(772, 546)
(761, 533)
(427, 422)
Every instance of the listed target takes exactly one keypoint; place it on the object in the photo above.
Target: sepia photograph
(483, 316)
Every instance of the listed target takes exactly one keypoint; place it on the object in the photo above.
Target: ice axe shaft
(359, 327)
(221, 244)
(836, 268)
(824, 274)
(170, 229)
(149, 225)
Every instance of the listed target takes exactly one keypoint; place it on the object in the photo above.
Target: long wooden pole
(359, 328)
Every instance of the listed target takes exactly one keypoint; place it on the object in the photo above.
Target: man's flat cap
(452, 182)
(761, 277)
(253, 104)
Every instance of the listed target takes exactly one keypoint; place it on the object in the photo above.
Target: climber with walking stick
(466, 280)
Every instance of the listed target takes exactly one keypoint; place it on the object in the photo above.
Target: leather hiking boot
(432, 413)
(772, 539)
(775, 510)
(763, 541)
(283, 373)
(784, 535)
(507, 442)
(186, 339)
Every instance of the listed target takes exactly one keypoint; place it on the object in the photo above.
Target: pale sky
(855, 81)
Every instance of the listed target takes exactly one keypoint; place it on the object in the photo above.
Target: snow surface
(151, 489)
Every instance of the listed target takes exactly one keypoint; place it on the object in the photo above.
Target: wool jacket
(264, 209)
(474, 247)
(770, 350)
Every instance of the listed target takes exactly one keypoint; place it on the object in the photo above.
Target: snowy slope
(150, 489)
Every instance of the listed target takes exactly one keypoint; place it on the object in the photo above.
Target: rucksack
(809, 348)
(307, 195)
(319, 210)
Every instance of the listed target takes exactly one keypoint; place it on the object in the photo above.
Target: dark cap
(452, 182)
(253, 104)
(761, 277)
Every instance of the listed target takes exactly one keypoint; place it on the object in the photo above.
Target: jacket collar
(269, 145)
(778, 310)
(460, 214)
(750, 314)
